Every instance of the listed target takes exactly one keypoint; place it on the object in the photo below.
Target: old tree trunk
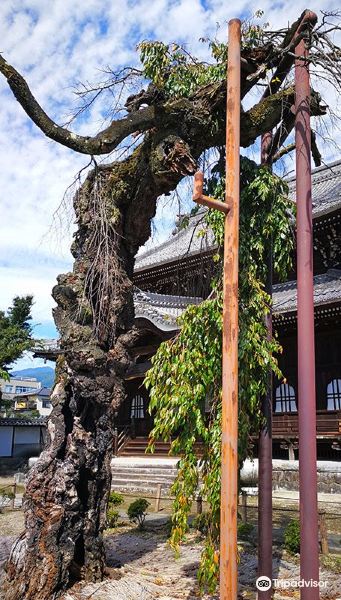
(67, 491)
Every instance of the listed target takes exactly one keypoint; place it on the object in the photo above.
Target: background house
(23, 395)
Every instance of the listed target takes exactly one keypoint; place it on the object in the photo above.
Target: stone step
(141, 471)
(142, 482)
(141, 476)
(139, 490)
(144, 444)
(138, 446)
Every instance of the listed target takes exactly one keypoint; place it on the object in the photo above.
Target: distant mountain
(43, 374)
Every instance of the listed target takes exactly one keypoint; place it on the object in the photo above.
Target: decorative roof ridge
(326, 167)
(169, 300)
(17, 421)
(190, 253)
(331, 274)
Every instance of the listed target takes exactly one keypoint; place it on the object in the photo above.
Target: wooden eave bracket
(199, 197)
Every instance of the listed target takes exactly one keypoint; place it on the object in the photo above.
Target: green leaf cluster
(185, 378)
(174, 70)
(115, 500)
(292, 536)
(15, 332)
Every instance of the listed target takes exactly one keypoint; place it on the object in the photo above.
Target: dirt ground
(11, 522)
(142, 566)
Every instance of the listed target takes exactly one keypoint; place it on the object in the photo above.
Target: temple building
(178, 272)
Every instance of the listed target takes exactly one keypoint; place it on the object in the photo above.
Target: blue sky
(56, 44)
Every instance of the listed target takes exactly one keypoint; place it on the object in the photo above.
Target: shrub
(244, 530)
(137, 511)
(112, 517)
(115, 499)
(6, 494)
(292, 537)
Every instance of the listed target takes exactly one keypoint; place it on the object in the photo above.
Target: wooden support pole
(158, 497)
(229, 450)
(14, 494)
(291, 451)
(244, 508)
(115, 441)
(323, 533)
(229, 447)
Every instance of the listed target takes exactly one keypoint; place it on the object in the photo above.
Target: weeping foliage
(185, 377)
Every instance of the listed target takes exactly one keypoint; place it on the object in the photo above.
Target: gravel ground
(141, 566)
(11, 522)
(149, 570)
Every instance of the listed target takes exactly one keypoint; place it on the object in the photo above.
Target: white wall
(44, 412)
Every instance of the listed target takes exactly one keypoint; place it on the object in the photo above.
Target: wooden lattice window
(334, 395)
(137, 407)
(285, 400)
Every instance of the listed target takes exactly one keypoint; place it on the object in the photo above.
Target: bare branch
(283, 151)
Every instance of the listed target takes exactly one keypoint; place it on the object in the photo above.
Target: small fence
(323, 516)
(7, 495)
(245, 508)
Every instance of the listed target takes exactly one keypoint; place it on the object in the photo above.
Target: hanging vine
(185, 377)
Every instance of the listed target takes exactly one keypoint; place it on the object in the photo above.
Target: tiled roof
(188, 240)
(326, 182)
(45, 392)
(161, 310)
(326, 188)
(327, 289)
(13, 422)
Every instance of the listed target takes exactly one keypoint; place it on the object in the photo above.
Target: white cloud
(56, 44)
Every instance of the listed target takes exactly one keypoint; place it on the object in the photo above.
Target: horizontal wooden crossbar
(199, 197)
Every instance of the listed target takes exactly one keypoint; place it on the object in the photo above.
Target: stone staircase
(137, 447)
(141, 475)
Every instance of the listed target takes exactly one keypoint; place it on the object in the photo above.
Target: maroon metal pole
(305, 331)
(265, 439)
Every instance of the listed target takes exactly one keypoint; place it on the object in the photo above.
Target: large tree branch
(286, 126)
(182, 116)
(102, 143)
(299, 29)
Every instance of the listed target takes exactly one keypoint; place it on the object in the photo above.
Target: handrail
(121, 437)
